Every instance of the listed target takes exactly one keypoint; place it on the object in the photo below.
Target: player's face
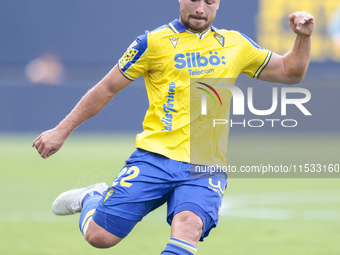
(198, 15)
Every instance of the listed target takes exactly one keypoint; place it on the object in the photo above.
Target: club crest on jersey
(109, 193)
(220, 39)
(174, 41)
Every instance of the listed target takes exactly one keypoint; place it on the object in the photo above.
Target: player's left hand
(302, 23)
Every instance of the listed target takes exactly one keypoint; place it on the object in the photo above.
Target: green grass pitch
(260, 215)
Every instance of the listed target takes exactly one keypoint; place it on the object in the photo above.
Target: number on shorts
(133, 171)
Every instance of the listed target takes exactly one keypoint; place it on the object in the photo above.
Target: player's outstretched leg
(71, 201)
(86, 200)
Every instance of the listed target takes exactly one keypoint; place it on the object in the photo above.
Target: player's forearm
(296, 61)
(94, 100)
(91, 104)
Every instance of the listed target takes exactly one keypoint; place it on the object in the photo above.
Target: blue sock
(89, 204)
(177, 246)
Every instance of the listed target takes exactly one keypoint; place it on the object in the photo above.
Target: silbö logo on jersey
(195, 62)
(168, 108)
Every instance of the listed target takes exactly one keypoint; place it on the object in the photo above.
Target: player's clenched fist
(302, 23)
(49, 142)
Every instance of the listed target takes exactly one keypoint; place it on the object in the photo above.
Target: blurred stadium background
(52, 52)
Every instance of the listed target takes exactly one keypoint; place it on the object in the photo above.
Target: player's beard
(195, 28)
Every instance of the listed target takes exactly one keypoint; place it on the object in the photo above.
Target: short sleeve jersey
(170, 58)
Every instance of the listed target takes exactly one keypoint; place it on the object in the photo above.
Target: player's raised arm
(92, 103)
(292, 67)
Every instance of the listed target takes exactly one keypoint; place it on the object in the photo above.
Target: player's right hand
(49, 142)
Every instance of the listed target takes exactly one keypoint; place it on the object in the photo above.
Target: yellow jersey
(173, 59)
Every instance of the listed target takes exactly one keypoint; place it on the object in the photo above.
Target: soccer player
(158, 171)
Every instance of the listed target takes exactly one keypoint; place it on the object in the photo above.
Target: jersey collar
(178, 27)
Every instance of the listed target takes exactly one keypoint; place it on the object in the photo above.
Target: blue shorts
(147, 181)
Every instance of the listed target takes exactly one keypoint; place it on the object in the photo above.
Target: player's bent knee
(101, 241)
(100, 238)
(188, 226)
